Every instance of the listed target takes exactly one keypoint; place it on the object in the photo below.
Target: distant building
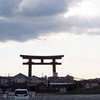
(60, 83)
(90, 83)
(20, 80)
(34, 83)
(38, 84)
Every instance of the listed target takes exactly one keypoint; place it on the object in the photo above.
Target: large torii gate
(41, 58)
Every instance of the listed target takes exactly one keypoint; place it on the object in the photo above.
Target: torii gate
(41, 58)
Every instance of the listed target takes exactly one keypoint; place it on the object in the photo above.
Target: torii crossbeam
(41, 58)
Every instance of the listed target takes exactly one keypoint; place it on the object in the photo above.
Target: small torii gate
(41, 58)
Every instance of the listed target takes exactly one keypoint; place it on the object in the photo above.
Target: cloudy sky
(50, 27)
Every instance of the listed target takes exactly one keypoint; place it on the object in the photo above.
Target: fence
(5, 96)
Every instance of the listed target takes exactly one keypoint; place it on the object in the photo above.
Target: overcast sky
(50, 27)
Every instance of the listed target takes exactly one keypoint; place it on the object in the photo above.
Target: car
(21, 94)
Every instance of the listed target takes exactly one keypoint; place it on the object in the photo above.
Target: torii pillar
(41, 58)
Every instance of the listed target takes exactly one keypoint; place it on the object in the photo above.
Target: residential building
(60, 83)
(90, 83)
(20, 80)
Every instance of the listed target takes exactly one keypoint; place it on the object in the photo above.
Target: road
(60, 97)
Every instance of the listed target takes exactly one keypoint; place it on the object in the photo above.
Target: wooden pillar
(30, 68)
(54, 66)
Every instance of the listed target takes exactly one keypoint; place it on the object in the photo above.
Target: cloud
(21, 20)
(7, 8)
(32, 8)
(42, 7)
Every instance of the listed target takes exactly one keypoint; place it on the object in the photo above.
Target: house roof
(20, 75)
(90, 81)
(39, 78)
(32, 77)
(60, 80)
(59, 83)
(35, 84)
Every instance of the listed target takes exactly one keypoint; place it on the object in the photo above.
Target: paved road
(61, 97)
(68, 97)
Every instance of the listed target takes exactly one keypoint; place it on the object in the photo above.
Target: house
(4, 83)
(38, 84)
(60, 83)
(41, 87)
(20, 80)
(90, 83)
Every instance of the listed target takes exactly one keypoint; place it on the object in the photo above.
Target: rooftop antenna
(8, 74)
(42, 74)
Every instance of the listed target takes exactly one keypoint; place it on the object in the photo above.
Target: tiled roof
(59, 80)
(20, 75)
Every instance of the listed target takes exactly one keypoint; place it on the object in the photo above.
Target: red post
(42, 95)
